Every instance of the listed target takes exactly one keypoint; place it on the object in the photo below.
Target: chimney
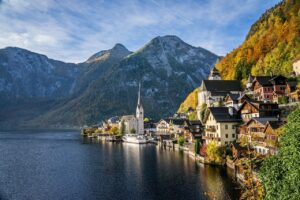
(278, 118)
(230, 111)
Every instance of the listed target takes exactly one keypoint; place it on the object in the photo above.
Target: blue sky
(73, 30)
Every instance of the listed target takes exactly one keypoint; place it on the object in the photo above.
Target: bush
(283, 100)
(180, 140)
(197, 146)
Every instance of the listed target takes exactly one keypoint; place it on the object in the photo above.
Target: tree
(213, 152)
(197, 146)
(146, 120)
(133, 131)
(202, 111)
(114, 130)
(122, 128)
(280, 174)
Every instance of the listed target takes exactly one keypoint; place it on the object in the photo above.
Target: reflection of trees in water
(217, 183)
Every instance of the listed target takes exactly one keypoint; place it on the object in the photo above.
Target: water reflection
(61, 165)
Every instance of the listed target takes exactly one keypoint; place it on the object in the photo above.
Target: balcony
(211, 129)
(211, 138)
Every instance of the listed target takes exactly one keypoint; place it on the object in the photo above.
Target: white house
(296, 67)
(220, 125)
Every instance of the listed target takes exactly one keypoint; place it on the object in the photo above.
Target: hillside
(191, 101)
(271, 45)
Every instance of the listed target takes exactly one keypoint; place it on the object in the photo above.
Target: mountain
(271, 45)
(167, 68)
(24, 74)
(31, 83)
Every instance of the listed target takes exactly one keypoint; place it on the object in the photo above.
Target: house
(262, 88)
(272, 137)
(292, 92)
(296, 67)
(162, 127)
(251, 108)
(213, 91)
(176, 126)
(220, 125)
(265, 88)
(279, 87)
(113, 121)
(193, 130)
(232, 100)
(150, 127)
(254, 132)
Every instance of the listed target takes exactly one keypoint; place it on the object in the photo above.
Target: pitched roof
(221, 85)
(275, 124)
(233, 97)
(259, 105)
(194, 122)
(127, 117)
(221, 114)
(264, 120)
(263, 80)
(178, 121)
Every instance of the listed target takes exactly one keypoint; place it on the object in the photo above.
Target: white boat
(135, 138)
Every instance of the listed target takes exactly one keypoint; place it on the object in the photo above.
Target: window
(226, 126)
(233, 127)
(226, 135)
(226, 142)
(233, 135)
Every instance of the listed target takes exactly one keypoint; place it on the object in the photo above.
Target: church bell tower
(140, 114)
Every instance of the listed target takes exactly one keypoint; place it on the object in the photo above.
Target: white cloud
(74, 30)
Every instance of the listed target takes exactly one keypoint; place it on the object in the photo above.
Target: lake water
(61, 165)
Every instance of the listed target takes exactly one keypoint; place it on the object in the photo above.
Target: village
(235, 127)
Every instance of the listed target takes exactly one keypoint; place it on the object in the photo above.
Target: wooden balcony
(211, 129)
(211, 138)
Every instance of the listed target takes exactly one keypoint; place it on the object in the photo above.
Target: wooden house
(250, 109)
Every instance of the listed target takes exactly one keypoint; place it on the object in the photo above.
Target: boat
(135, 138)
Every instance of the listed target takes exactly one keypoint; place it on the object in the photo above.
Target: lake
(62, 165)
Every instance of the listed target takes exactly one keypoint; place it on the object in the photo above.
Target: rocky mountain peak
(118, 51)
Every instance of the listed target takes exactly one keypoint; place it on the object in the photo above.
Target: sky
(73, 30)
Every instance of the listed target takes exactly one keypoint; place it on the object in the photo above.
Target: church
(134, 124)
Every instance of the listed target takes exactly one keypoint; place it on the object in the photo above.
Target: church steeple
(214, 74)
(139, 95)
(140, 113)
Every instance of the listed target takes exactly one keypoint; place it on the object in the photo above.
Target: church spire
(139, 95)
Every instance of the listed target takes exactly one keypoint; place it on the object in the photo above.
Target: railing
(211, 138)
(211, 129)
